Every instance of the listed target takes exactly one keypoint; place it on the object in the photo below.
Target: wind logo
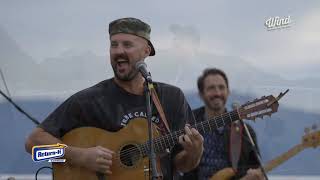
(276, 23)
(48, 152)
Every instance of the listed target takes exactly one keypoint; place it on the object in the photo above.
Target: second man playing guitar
(213, 89)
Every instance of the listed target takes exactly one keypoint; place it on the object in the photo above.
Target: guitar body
(125, 165)
(224, 174)
(130, 159)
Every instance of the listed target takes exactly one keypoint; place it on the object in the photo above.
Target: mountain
(275, 135)
(40, 87)
(179, 65)
(72, 72)
(16, 65)
(69, 72)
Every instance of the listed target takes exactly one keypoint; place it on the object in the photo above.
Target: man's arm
(39, 137)
(189, 158)
(95, 158)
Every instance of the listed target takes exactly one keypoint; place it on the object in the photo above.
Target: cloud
(47, 29)
(310, 29)
(283, 49)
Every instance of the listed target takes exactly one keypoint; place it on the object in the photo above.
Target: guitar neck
(284, 157)
(169, 140)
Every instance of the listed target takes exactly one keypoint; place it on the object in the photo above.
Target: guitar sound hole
(129, 155)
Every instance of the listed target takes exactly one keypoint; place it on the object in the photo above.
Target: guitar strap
(235, 144)
(157, 103)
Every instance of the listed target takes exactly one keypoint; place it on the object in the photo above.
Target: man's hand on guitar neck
(190, 156)
(253, 174)
(98, 159)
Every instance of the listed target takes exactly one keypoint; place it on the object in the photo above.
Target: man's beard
(215, 108)
(125, 77)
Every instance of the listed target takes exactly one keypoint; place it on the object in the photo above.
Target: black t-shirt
(108, 106)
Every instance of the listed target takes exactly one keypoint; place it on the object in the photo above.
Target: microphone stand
(254, 147)
(148, 85)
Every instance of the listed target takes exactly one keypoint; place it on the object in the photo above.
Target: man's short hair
(211, 71)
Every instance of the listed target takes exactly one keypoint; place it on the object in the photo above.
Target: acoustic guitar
(310, 139)
(131, 145)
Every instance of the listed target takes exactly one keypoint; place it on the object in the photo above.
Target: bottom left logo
(48, 152)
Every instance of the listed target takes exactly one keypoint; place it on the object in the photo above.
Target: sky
(49, 28)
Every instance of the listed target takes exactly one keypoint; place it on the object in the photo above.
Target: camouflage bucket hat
(132, 26)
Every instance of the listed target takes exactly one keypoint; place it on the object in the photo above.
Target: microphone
(142, 67)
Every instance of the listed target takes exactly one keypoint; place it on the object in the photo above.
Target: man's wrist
(186, 162)
(74, 155)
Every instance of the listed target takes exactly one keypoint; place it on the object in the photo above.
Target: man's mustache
(218, 97)
(121, 56)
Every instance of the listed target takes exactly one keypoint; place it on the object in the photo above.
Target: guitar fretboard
(284, 157)
(169, 140)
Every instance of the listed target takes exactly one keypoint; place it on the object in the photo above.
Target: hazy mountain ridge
(275, 135)
(77, 71)
(15, 64)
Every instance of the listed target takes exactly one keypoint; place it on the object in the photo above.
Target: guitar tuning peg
(306, 130)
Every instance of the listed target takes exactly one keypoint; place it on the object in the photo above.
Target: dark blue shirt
(214, 154)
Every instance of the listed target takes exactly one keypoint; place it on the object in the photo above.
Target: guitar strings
(125, 154)
(141, 149)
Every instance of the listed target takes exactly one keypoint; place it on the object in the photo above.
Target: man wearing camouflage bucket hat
(117, 105)
(132, 26)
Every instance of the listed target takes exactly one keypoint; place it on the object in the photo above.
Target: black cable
(44, 167)
(19, 109)
(23, 112)
(4, 82)
(13, 103)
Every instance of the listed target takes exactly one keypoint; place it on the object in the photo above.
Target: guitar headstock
(311, 137)
(259, 108)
